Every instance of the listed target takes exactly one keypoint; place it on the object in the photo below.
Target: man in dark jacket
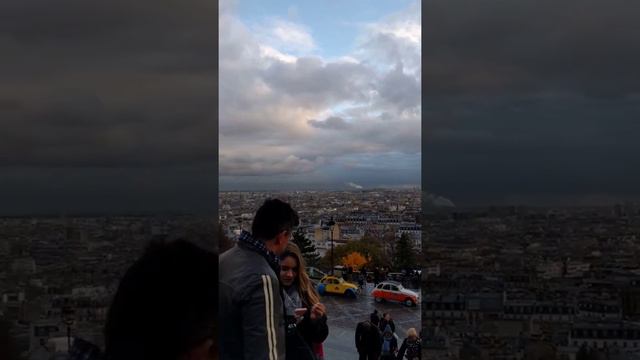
(251, 306)
(368, 339)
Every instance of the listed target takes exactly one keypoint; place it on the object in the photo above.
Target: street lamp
(331, 223)
(68, 317)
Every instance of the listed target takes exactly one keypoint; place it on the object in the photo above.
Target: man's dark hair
(165, 305)
(273, 217)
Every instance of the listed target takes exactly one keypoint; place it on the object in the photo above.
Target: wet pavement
(344, 314)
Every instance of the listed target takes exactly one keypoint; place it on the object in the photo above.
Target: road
(344, 314)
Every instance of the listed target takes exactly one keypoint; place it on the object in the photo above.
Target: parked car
(394, 291)
(335, 285)
(315, 273)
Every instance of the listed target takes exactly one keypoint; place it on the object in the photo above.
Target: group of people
(268, 305)
(167, 305)
(376, 340)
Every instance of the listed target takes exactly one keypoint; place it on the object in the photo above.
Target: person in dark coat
(369, 339)
(411, 348)
(376, 277)
(374, 317)
(387, 320)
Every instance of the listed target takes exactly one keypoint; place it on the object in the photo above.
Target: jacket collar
(258, 246)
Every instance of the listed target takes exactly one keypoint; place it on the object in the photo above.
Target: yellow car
(335, 285)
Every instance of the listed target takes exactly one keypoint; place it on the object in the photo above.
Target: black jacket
(368, 338)
(300, 337)
(251, 308)
(384, 323)
(413, 348)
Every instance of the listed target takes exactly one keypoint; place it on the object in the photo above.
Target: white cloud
(394, 39)
(286, 111)
(287, 36)
(354, 185)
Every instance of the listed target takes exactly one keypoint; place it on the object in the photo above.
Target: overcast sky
(107, 106)
(319, 94)
(532, 101)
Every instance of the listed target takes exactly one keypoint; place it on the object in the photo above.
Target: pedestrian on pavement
(368, 339)
(389, 345)
(375, 317)
(305, 316)
(251, 306)
(387, 320)
(376, 276)
(165, 307)
(411, 348)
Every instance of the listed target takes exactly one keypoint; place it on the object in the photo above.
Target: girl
(305, 316)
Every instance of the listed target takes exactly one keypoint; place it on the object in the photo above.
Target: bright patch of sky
(334, 24)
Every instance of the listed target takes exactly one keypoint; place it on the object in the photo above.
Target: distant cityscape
(355, 213)
(532, 283)
(61, 272)
(498, 282)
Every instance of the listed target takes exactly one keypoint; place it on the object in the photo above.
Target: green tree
(308, 250)
(405, 255)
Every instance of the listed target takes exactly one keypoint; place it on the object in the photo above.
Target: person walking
(389, 345)
(376, 276)
(411, 348)
(387, 320)
(369, 339)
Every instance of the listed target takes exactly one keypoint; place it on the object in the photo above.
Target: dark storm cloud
(112, 85)
(334, 122)
(491, 46)
(400, 89)
(531, 100)
(311, 80)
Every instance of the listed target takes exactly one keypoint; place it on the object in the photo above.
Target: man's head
(165, 306)
(375, 321)
(274, 224)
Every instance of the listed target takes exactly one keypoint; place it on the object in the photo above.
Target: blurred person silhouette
(369, 338)
(387, 320)
(165, 307)
(389, 345)
(374, 317)
(305, 316)
(411, 348)
(251, 304)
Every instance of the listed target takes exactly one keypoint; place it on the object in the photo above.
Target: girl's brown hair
(305, 287)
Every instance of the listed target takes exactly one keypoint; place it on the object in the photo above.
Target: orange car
(394, 291)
